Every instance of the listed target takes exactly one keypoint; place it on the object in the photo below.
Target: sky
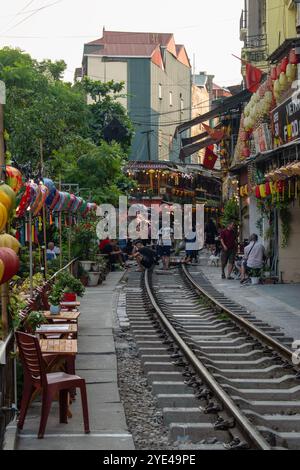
(57, 29)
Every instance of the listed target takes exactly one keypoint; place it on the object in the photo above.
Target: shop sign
(262, 138)
(286, 121)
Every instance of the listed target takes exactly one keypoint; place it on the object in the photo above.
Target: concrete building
(157, 76)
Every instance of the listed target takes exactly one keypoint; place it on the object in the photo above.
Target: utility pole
(4, 287)
(44, 213)
(148, 133)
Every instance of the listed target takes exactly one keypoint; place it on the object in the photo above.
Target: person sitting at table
(51, 252)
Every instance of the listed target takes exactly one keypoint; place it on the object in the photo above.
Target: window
(171, 98)
(181, 104)
(160, 138)
(160, 91)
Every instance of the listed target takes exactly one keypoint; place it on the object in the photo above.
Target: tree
(39, 106)
(108, 119)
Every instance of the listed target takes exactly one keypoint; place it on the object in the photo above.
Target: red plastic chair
(35, 378)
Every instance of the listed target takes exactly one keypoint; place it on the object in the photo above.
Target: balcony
(255, 49)
(256, 42)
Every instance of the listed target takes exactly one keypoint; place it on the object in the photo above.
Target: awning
(226, 105)
(196, 138)
(191, 149)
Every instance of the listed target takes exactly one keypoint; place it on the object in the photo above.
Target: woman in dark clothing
(211, 234)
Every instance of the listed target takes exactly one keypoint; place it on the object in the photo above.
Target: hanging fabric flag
(253, 77)
(216, 134)
(210, 158)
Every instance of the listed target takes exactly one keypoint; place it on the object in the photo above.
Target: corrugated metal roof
(123, 37)
(126, 50)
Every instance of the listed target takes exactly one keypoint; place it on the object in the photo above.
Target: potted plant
(93, 279)
(33, 321)
(255, 275)
(70, 286)
(55, 299)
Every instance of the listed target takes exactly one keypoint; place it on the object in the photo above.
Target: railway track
(222, 377)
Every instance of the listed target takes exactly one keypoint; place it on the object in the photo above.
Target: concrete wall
(200, 105)
(139, 108)
(176, 78)
(105, 70)
(289, 258)
(281, 22)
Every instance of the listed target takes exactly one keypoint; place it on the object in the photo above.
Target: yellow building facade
(281, 18)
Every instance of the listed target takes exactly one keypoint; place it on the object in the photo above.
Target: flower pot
(68, 297)
(93, 279)
(95, 267)
(86, 265)
(255, 281)
(55, 309)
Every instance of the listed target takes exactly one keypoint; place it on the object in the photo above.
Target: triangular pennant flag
(216, 134)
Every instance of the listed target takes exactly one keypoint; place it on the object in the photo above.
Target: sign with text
(286, 121)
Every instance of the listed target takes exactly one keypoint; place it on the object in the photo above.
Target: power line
(34, 12)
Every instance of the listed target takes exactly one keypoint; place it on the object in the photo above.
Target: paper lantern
(11, 264)
(8, 241)
(257, 192)
(3, 217)
(291, 72)
(55, 200)
(284, 64)
(262, 190)
(24, 202)
(7, 197)
(14, 178)
(51, 191)
(277, 86)
(274, 73)
(293, 58)
(283, 81)
(268, 189)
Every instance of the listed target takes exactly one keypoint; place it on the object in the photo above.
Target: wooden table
(70, 305)
(63, 316)
(64, 330)
(59, 347)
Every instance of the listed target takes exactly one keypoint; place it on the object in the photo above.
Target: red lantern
(268, 189)
(293, 57)
(11, 264)
(257, 192)
(284, 64)
(274, 73)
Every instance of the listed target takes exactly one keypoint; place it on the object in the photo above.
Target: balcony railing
(258, 41)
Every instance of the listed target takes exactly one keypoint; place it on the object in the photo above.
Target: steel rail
(246, 427)
(259, 334)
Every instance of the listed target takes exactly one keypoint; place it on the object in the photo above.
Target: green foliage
(56, 295)
(39, 106)
(84, 243)
(15, 306)
(34, 320)
(286, 219)
(69, 283)
(231, 212)
(108, 119)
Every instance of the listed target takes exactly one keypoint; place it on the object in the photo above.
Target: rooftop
(135, 44)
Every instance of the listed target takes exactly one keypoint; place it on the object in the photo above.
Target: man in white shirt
(254, 256)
